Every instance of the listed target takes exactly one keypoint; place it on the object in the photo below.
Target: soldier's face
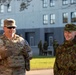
(69, 35)
(9, 31)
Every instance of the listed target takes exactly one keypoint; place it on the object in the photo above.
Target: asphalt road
(40, 72)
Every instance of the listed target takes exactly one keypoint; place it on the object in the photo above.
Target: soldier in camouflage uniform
(15, 53)
(65, 62)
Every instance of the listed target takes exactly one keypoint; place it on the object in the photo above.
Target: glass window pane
(64, 2)
(31, 41)
(45, 3)
(52, 18)
(72, 1)
(52, 3)
(65, 17)
(1, 22)
(9, 8)
(73, 16)
(45, 19)
(1, 8)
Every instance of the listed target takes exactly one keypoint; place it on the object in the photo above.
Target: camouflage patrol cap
(70, 27)
(9, 23)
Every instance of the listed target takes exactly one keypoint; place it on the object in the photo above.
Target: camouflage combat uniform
(13, 56)
(65, 62)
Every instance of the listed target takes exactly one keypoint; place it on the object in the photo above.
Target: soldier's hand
(30, 55)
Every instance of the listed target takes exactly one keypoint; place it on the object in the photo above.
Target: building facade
(42, 20)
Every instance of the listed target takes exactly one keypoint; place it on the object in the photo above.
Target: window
(73, 16)
(52, 3)
(31, 41)
(50, 40)
(52, 18)
(1, 8)
(64, 2)
(1, 22)
(45, 19)
(65, 17)
(8, 7)
(72, 1)
(45, 3)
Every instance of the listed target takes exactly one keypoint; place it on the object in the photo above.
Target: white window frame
(64, 2)
(9, 8)
(65, 16)
(50, 39)
(1, 8)
(52, 18)
(73, 16)
(52, 3)
(45, 19)
(72, 1)
(1, 22)
(45, 3)
(31, 39)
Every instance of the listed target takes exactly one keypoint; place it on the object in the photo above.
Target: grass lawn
(42, 62)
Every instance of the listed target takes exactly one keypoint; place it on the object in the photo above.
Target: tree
(24, 3)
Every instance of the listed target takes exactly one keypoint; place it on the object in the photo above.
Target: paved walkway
(40, 72)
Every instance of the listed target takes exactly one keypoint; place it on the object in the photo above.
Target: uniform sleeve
(73, 59)
(55, 69)
(26, 48)
(27, 53)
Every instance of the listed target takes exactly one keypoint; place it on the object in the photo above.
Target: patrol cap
(70, 27)
(9, 23)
